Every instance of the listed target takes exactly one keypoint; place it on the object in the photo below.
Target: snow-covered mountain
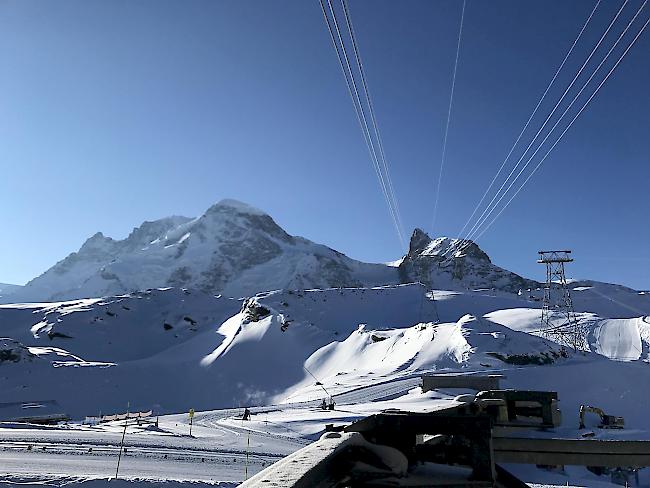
(432, 262)
(214, 351)
(7, 289)
(237, 250)
(170, 349)
(232, 248)
(132, 347)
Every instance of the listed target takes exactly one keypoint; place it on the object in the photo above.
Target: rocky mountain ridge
(237, 250)
(448, 264)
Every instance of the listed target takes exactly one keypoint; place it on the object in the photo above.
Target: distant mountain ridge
(237, 250)
(6, 288)
(233, 248)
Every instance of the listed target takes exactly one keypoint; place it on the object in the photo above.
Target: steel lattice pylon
(559, 322)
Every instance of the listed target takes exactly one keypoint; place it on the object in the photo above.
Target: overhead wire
(539, 103)
(568, 126)
(363, 122)
(501, 194)
(376, 149)
(574, 118)
(353, 91)
(373, 118)
(492, 205)
(576, 97)
(451, 101)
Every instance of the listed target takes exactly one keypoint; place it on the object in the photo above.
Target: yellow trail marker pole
(191, 417)
(247, 449)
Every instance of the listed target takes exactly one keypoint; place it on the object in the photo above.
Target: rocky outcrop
(448, 264)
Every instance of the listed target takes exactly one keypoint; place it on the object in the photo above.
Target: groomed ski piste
(280, 354)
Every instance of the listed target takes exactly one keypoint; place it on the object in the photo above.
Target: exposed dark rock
(253, 311)
(427, 263)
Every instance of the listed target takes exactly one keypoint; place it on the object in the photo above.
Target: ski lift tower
(559, 322)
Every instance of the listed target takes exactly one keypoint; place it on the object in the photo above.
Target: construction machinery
(467, 442)
(606, 421)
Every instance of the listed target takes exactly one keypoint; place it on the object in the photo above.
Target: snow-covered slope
(6, 289)
(621, 339)
(232, 248)
(172, 349)
(608, 300)
(121, 328)
(467, 345)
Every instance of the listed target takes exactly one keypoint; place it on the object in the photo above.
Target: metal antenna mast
(427, 283)
(436, 316)
(559, 322)
(425, 295)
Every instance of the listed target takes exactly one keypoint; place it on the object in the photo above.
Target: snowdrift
(469, 345)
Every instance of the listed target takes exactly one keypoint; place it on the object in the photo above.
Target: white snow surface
(130, 348)
(171, 349)
(199, 335)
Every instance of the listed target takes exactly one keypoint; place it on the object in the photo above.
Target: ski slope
(621, 338)
(282, 352)
(129, 348)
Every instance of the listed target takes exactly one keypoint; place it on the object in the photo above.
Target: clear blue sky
(115, 112)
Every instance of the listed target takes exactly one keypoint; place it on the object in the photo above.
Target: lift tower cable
(613, 68)
(564, 132)
(360, 112)
(548, 87)
(488, 211)
(371, 110)
(353, 90)
(451, 102)
(486, 214)
(499, 193)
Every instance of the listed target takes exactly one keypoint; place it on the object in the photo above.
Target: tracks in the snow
(160, 452)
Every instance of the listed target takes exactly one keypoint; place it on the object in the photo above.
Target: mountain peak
(419, 240)
(97, 240)
(236, 219)
(447, 263)
(237, 206)
(233, 248)
(423, 245)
